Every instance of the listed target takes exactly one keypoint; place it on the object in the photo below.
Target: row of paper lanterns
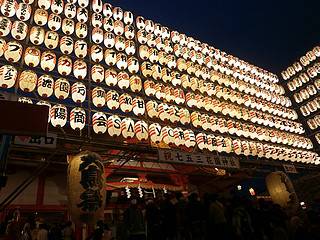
(304, 77)
(314, 122)
(305, 94)
(304, 61)
(310, 107)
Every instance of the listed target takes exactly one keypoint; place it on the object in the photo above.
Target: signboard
(289, 168)
(50, 141)
(171, 156)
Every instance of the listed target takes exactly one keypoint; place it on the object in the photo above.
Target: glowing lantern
(138, 106)
(99, 123)
(81, 30)
(13, 51)
(122, 61)
(40, 17)
(5, 24)
(83, 3)
(77, 118)
(151, 40)
(80, 49)
(64, 65)
(97, 35)
(146, 69)
(98, 97)
(107, 10)
(171, 61)
(110, 57)
(130, 47)
(155, 133)
(54, 22)
(140, 22)
(112, 100)
(96, 53)
(23, 12)
(160, 94)
(28, 81)
(37, 35)
(160, 44)
(150, 88)
(118, 27)
(141, 130)
(97, 6)
(8, 8)
(179, 138)
(202, 141)
(142, 36)
(196, 119)
(176, 78)
(167, 135)
(128, 17)
(45, 86)
(82, 15)
(184, 116)
(174, 114)
(156, 72)
(78, 92)
(19, 30)
(58, 115)
(117, 13)
(111, 77)
(123, 80)
(8, 76)
(70, 10)
(144, 52)
(32, 56)
(114, 126)
(44, 4)
(68, 26)
(237, 147)
(61, 88)
(48, 61)
(97, 73)
(168, 91)
(157, 30)
(25, 100)
(51, 39)
(66, 44)
(152, 109)
(125, 101)
(120, 43)
(129, 32)
(164, 113)
(80, 69)
(109, 40)
(108, 24)
(45, 103)
(127, 128)
(191, 99)
(133, 65)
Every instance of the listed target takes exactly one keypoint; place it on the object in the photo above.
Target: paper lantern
(133, 65)
(9, 7)
(142, 36)
(6, 25)
(25, 100)
(164, 111)
(28, 81)
(98, 97)
(97, 6)
(127, 128)
(96, 53)
(80, 49)
(118, 27)
(160, 44)
(120, 43)
(117, 13)
(83, 3)
(140, 22)
(48, 61)
(179, 138)
(37, 35)
(202, 141)
(54, 22)
(82, 15)
(23, 12)
(156, 72)
(81, 30)
(44, 4)
(123, 80)
(121, 61)
(190, 139)
(108, 24)
(66, 44)
(58, 115)
(146, 69)
(97, 35)
(109, 40)
(8, 76)
(13, 51)
(99, 123)
(107, 10)
(61, 88)
(70, 10)
(138, 106)
(114, 126)
(281, 190)
(19, 30)
(97, 73)
(111, 77)
(125, 102)
(77, 118)
(191, 99)
(184, 116)
(129, 32)
(40, 17)
(112, 100)
(149, 88)
(78, 92)
(64, 65)
(155, 133)
(206, 122)
(80, 69)
(151, 40)
(168, 91)
(45, 86)
(144, 52)
(68, 26)
(32, 56)
(167, 135)
(141, 130)
(110, 57)
(152, 109)
(51, 39)
(45, 103)
(130, 47)
(196, 119)
(237, 146)
(160, 94)
(174, 114)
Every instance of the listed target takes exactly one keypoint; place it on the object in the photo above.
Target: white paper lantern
(37, 35)
(111, 77)
(152, 109)
(108, 24)
(97, 35)
(109, 40)
(97, 6)
(58, 115)
(130, 47)
(51, 39)
(99, 123)
(19, 30)
(168, 135)
(5, 26)
(66, 44)
(78, 92)
(83, 3)
(114, 126)
(123, 80)
(54, 22)
(141, 130)
(13, 51)
(64, 65)
(81, 30)
(32, 56)
(82, 15)
(98, 97)
(80, 49)
(110, 57)
(113, 100)
(155, 133)
(28, 81)
(80, 69)
(125, 101)
(97, 73)
(61, 88)
(107, 10)
(179, 138)
(149, 88)
(146, 69)
(40, 17)
(44, 4)
(118, 27)
(164, 113)
(120, 43)
(8, 76)
(70, 10)
(117, 13)
(9, 7)
(127, 17)
(122, 61)
(48, 61)
(142, 36)
(23, 12)
(138, 106)
(202, 141)
(45, 86)
(133, 65)
(190, 138)
(127, 128)
(68, 26)
(135, 83)
(96, 53)
(77, 118)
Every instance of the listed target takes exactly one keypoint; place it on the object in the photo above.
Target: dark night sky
(270, 34)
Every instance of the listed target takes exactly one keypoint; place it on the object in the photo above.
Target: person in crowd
(168, 212)
(153, 219)
(67, 231)
(194, 217)
(102, 232)
(43, 232)
(217, 220)
(181, 218)
(134, 222)
(26, 232)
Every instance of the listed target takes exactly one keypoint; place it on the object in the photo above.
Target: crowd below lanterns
(175, 217)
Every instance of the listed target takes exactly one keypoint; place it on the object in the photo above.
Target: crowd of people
(175, 217)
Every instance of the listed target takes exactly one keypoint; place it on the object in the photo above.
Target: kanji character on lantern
(54, 22)
(113, 100)
(70, 10)
(138, 106)
(77, 118)
(8, 76)
(68, 26)
(81, 30)
(45, 86)
(99, 123)
(5, 26)
(32, 56)
(19, 30)
(28, 80)
(61, 88)
(78, 92)
(98, 97)
(13, 51)
(24, 11)
(37, 35)
(58, 115)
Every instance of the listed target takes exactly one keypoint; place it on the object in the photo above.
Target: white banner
(171, 156)
(50, 141)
